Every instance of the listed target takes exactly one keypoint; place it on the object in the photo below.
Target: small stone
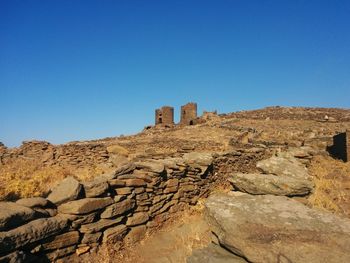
(81, 250)
(118, 208)
(114, 234)
(135, 182)
(116, 183)
(137, 219)
(91, 238)
(135, 234)
(124, 190)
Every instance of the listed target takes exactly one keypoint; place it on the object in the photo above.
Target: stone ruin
(188, 113)
(119, 208)
(165, 115)
(341, 146)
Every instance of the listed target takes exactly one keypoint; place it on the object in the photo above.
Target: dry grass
(332, 180)
(29, 177)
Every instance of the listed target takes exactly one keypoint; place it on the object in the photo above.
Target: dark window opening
(191, 122)
(160, 120)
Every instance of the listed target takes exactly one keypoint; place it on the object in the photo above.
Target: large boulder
(258, 184)
(283, 167)
(266, 228)
(33, 231)
(69, 189)
(12, 215)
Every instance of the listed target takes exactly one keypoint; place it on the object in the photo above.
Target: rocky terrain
(261, 183)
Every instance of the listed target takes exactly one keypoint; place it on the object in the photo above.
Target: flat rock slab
(84, 206)
(283, 167)
(100, 225)
(95, 188)
(151, 165)
(118, 208)
(33, 231)
(69, 189)
(12, 215)
(60, 241)
(33, 202)
(266, 228)
(204, 159)
(262, 184)
(213, 254)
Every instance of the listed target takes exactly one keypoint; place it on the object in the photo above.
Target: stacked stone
(80, 155)
(120, 208)
(73, 154)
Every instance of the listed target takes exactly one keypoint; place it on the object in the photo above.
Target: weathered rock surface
(135, 234)
(203, 159)
(151, 165)
(100, 225)
(213, 254)
(137, 219)
(33, 202)
(91, 238)
(268, 228)
(261, 184)
(69, 189)
(283, 167)
(12, 215)
(114, 234)
(124, 169)
(95, 188)
(198, 160)
(84, 206)
(118, 208)
(15, 257)
(31, 232)
(59, 241)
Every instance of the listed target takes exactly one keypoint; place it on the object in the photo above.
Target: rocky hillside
(279, 195)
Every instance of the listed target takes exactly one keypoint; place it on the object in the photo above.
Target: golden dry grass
(29, 177)
(332, 181)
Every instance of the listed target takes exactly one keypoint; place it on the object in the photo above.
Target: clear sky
(76, 70)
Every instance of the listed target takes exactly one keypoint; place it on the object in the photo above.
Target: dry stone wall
(73, 154)
(120, 207)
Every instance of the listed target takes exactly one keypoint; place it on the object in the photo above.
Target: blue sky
(76, 70)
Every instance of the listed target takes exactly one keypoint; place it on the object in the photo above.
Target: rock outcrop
(266, 228)
(262, 184)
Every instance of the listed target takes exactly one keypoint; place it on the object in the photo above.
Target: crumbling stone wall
(341, 146)
(164, 116)
(71, 154)
(119, 208)
(188, 113)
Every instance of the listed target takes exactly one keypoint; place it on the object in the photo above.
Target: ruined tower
(164, 116)
(188, 113)
(341, 146)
